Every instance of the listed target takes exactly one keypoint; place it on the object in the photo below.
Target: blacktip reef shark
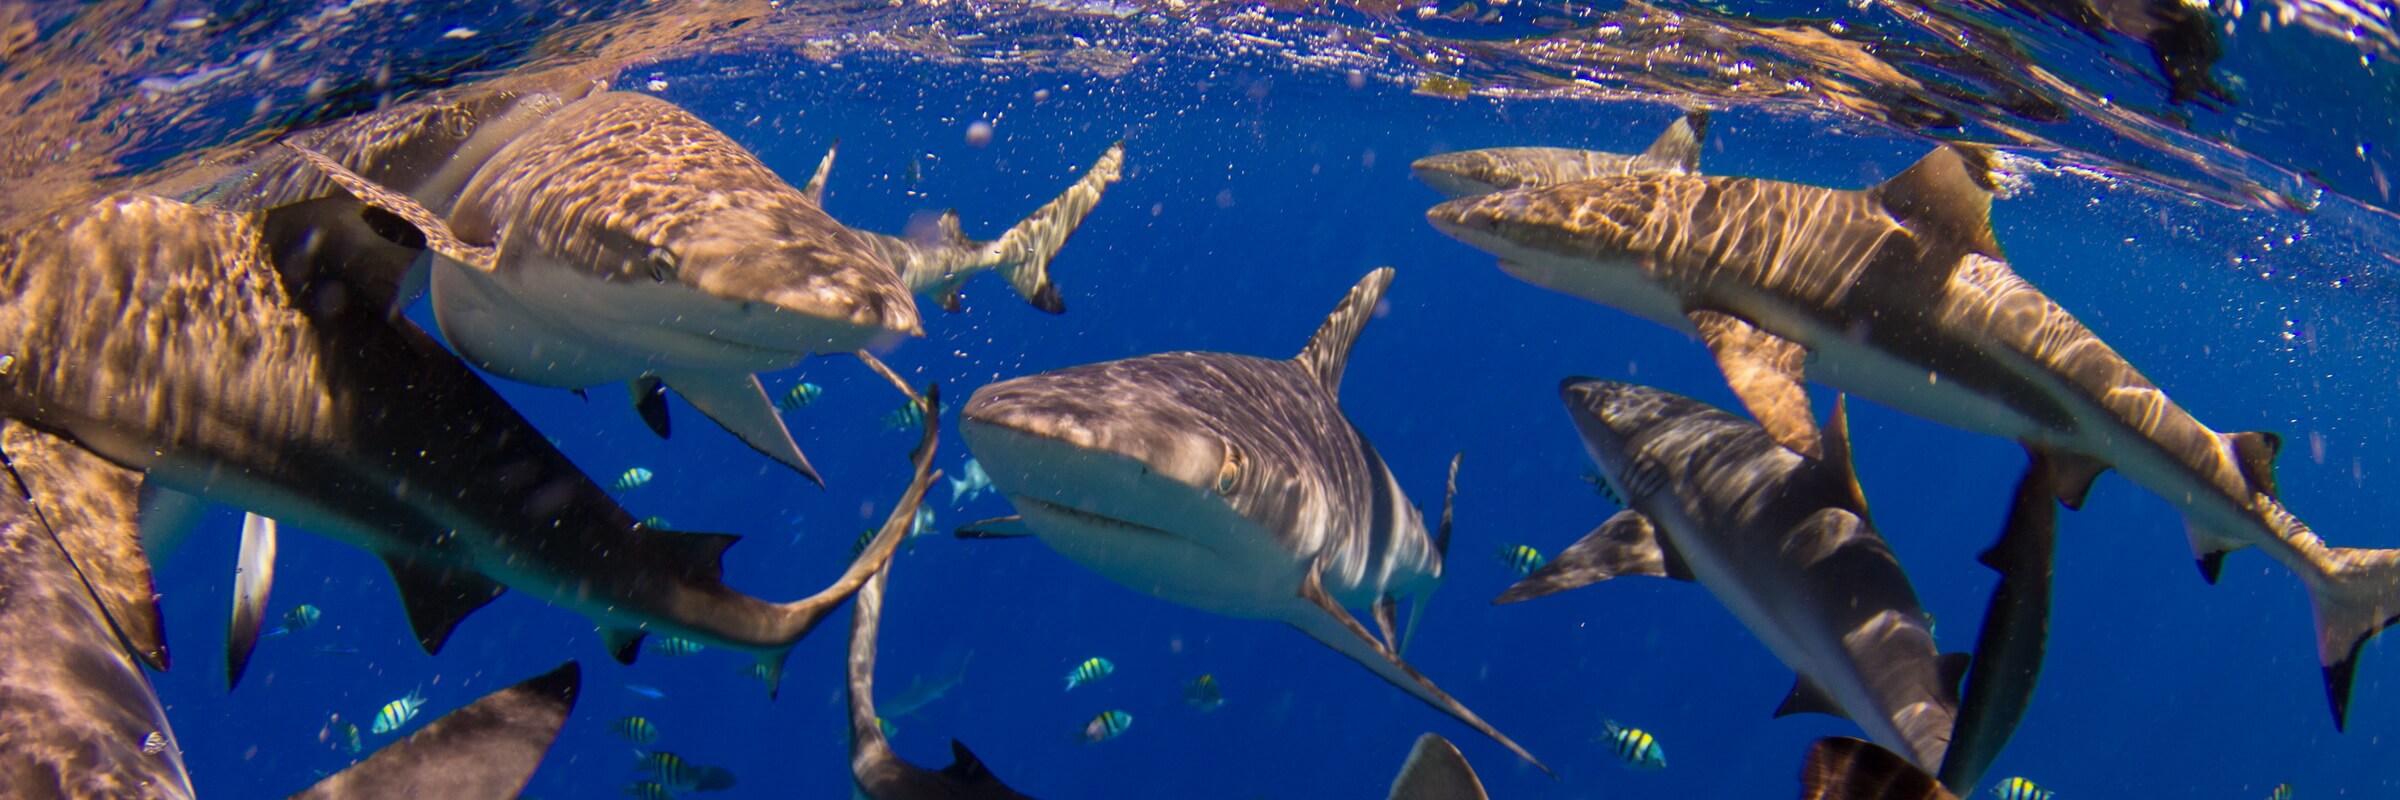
(1899, 293)
(1781, 539)
(1228, 483)
(877, 773)
(618, 238)
(161, 336)
(1436, 771)
(1472, 173)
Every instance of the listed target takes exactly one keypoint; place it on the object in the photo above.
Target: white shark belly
(1621, 284)
(1166, 565)
(539, 323)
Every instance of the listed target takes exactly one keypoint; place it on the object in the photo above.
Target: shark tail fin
(1680, 145)
(1840, 768)
(2254, 452)
(1022, 255)
(1436, 771)
(1441, 546)
(1947, 194)
(2358, 597)
(799, 617)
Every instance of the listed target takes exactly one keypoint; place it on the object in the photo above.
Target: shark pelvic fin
(1436, 771)
(2254, 452)
(2209, 550)
(438, 236)
(1627, 544)
(1841, 768)
(815, 188)
(1328, 349)
(1765, 371)
(1324, 619)
(624, 644)
(649, 395)
(736, 401)
(488, 749)
(254, 577)
(1008, 527)
(166, 517)
(1807, 697)
(1680, 145)
(438, 596)
(2072, 475)
(1946, 196)
(1837, 452)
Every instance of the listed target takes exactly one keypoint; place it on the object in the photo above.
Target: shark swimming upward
(877, 773)
(161, 336)
(1227, 483)
(1781, 539)
(1471, 173)
(1899, 293)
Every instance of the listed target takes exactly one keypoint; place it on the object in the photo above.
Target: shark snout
(1452, 174)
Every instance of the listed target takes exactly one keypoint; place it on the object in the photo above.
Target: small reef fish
(922, 525)
(2020, 789)
(668, 769)
(674, 646)
(800, 397)
(396, 714)
(341, 730)
(859, 545)
(889, 730)
(334, 650)
(648, 790)
(2283, 791)
(972, 483)
(760, 672)
(651, 692)
(1636, 747)
(637, 730)
(1090, 671)
(656, 523)
(1203, 693)
(1600, 484)
(632, 479)
(907, 416)
(1109, 725)
(1522, 558)
(297, 620)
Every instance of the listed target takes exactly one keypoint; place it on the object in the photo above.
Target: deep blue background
(1251, 202)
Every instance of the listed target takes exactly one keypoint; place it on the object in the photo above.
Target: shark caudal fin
(1022, 255)
(1436, 771)
(1840, 768)
(2358, 597)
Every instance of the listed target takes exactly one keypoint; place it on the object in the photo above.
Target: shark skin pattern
(75, 708)
(160, 336)
(1841, 768)
(1472, 173)
(1436, 771)
(876, 772)
(1228, 483)
(1781, 539)
(487, 749)
(1899, 293)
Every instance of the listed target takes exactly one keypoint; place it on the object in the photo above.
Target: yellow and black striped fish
(1091, 670)
(668, 769)
(2020, 789)
(648, 790)
(800, 397)
(2283, 791)
(397, 713)
(674, 646)
(1636, 747)
(637, 730)
(1108, 725)
(1522, 558)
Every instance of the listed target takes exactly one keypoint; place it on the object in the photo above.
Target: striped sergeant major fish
(1634, 746)
(1228, 483)
(1900, 293)
(1107, 725)
(1090, 671)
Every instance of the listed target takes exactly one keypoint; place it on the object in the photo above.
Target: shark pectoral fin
(736, 401)
(1323, 619)
(438, 236)
(166, 517)
(438, 596)
(1765, 371)
(1386, 611)
(1837, 452)
(254, 577)
(815, 188)
(649, 395)
(1436, 771)
(2209, 549)
(1946, 197)
(2071, 475)
(488, 749)
(1328, 349)
(1807, 697)
(1008, 527)
(1841, 768)
(1680, 145)
(1026, 249)
(1627, 544)
(624, 644)
(2254, 452)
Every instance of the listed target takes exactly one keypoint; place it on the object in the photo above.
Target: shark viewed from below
(1898, 293)
(160, 336)
(1781, 539)
(1436, 771)
(1472, 173)
(1227, 483)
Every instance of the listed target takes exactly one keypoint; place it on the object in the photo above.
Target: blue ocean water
(1251, 202)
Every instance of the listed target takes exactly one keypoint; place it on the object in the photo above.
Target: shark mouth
(1101, 520)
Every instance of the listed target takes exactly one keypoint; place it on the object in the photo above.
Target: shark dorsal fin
(1436, 771)
(816, 183)
(438, 235)
(1807, 697)
(2254, 452)
(1680, 145)
(1837, 452)
(1329, 349)
(1947, 195)
(438, 596)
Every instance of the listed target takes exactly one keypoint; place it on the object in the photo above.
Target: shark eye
(1229, 473)
(661, 263)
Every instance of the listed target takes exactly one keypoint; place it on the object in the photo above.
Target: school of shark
(240, 337)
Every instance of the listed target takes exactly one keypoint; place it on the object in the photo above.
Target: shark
(1900, 293)
(487, 749)
(1783, 540)
(616, 237)
(1228, 483)
(161, 336)
(922, 692)
(876, 772)
(1842, 768)
(1435, 770)
(2015, 636)
(1474, 173)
